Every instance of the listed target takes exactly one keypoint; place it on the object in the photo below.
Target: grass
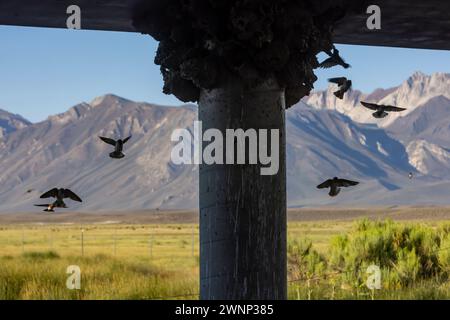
(152, 261)
(118, 262)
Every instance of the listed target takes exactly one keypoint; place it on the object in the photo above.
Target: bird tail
(116, 155)
(339, 94)
(334, 192)
(346, 66)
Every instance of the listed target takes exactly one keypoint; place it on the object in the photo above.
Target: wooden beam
(405, 23)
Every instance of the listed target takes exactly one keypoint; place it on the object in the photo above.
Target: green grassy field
(160, 261)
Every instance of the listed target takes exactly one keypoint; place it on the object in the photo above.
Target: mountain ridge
(323, 141)
(413, 92)
(10, 122)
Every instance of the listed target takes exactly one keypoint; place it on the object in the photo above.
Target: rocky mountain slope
(65, 151)
(325, 138)
(416, 91)
(11, 122)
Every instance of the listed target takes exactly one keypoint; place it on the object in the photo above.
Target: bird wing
(328, 63)
(324, 185)
(126, 140)
(349, 84)
(50, 194)
(339, 81)
(393, 109)
(346, 183)
(328, 52)
(343, 63)
(69, 194)
(371, 106)
(108, 141)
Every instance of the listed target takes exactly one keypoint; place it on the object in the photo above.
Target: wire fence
(85, 241)
(324, 276)
(166, 247)
(153, 243)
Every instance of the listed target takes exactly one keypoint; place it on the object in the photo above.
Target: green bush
(444, 254)
(406, 254)
(304, 260)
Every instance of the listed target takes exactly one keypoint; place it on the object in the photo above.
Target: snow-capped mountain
(411, 94)
(417, 91)
(424, 128)
(429, 121)
(326, 138)
(429, 158)
(325, 143)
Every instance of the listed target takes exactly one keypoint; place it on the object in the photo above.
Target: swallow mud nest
(204, 42)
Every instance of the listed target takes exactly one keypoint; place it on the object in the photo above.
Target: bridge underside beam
(405, 23)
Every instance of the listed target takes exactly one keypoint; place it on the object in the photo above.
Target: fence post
(82, 242)
(150, 244)
(51, 239)
(23, 240)
(193, 242)
(115, 242)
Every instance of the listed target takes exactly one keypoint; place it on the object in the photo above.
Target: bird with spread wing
(60, 195)
(334, 60)
(335, 185)
(344, 85)
(381, 111)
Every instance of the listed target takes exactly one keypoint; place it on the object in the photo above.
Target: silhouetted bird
(50, 207)
(60, 195)
(334, 60)
(335, 185)
(381, 111)
(344, 85)
(117, 154)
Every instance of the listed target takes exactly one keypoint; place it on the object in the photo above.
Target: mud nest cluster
(204, 42)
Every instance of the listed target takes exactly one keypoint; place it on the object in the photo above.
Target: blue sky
(46, 71)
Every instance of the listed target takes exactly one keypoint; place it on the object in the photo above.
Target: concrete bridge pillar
(243, 213)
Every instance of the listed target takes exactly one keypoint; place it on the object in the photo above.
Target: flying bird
(381, 111)
(344, 85)
(334, 60)
(60, 195)
(117, 154)
(49, 207)
(335, 185)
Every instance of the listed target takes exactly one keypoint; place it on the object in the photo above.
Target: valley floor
(191, 216)
(155, 255)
